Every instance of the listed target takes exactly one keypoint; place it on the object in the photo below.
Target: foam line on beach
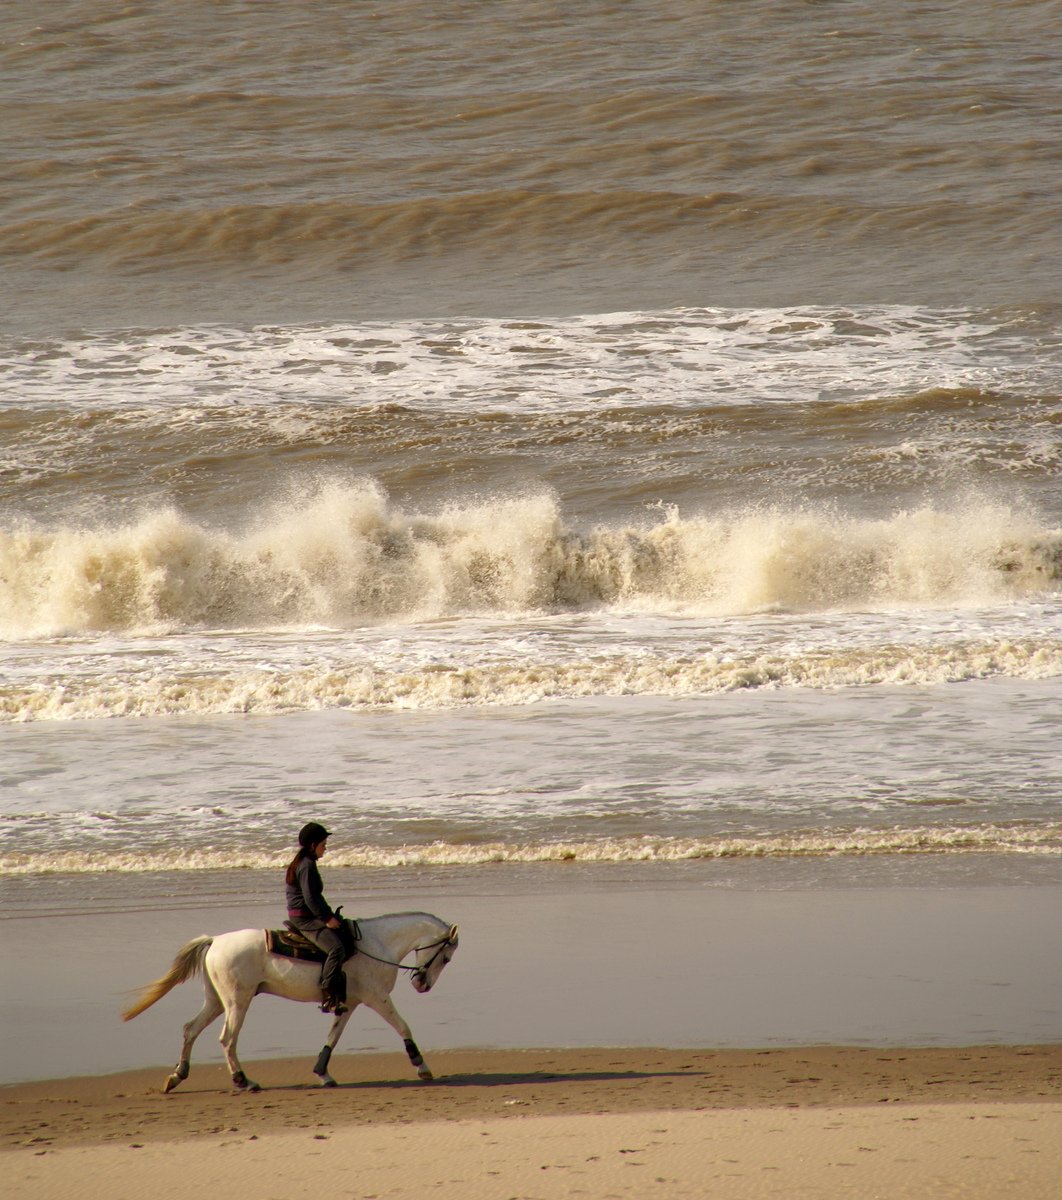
(1039, 839)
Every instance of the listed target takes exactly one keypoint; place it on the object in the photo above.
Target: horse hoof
(425, 1074)
(171, 1083)
(329, 1082)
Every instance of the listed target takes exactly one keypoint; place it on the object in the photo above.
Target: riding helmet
(312, 835)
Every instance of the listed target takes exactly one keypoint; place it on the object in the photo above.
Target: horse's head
(431, 959)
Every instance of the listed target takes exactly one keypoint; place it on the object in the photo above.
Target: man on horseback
(310, 913)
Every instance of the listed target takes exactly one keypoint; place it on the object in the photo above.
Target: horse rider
(310, 913)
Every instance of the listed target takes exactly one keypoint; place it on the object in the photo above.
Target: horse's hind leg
(211, 1010)
(236, 1007)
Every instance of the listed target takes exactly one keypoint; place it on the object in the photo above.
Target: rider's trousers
(333, 978)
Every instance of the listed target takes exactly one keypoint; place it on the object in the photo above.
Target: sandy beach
(818, 1122)
(909, 978)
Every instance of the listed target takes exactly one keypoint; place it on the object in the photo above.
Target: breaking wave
(346, 556)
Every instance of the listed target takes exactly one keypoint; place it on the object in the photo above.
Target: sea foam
(435, 686)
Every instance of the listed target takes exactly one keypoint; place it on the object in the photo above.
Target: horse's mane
(412, 912)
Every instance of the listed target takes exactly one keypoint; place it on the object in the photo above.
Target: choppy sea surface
(522, 434)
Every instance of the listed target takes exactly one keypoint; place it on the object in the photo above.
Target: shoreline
(830, 1122)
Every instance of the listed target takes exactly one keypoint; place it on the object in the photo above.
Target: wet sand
(563, 958)
(981, 1122)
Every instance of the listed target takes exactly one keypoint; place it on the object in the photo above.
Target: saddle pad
(292, 945)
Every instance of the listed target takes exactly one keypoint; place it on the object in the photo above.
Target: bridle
(421, 971)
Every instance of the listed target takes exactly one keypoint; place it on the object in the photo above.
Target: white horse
(237, 966)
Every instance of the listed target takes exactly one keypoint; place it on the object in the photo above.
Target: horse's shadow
(506, 1079)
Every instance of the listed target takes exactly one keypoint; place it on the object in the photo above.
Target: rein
(416, 950)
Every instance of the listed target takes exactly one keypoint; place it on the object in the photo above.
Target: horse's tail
(189, 962)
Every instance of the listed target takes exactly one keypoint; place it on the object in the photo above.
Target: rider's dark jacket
(306, 894)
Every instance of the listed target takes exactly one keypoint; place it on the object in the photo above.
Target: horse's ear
(452, 935)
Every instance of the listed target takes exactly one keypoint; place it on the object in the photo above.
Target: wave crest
(537, 221)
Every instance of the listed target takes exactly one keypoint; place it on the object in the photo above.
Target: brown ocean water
(244, 162)
(516, 433)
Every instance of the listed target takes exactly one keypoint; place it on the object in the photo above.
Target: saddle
(290, 943)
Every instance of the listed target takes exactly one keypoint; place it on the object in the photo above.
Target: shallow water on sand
(695, 955)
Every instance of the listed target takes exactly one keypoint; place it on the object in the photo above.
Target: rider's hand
(332, 923)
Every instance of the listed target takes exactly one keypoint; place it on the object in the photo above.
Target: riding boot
(334, 986)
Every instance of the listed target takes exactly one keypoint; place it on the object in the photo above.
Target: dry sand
(982, 1122)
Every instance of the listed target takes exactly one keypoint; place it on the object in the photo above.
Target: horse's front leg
(320, 1067)
(384, 1006)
